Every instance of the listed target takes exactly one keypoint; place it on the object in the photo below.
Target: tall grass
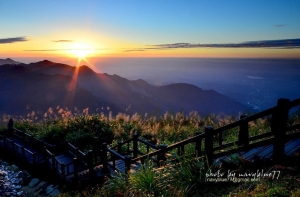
(182, 180)
(58, 125)
(185, 179)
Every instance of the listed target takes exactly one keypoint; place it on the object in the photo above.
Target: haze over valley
(41, 85)
(257, 83)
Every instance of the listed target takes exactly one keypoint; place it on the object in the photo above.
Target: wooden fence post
(161, 155)
(220, 135)
(23, 154)
(243, 132)
(34, 158)
(53, 161)
(75, 161)
(104, 157)
(198, 151)
(278, 127)
(10, 127)
(13, 146)
(127, 163)
(135, 145)
(90, 163)
(62, 167)
(120, 147)
(209, 144)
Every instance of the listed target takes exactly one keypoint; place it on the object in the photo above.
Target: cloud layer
(276, 44)
(287, 43)
(12, 40)
(66, 49)
(62, 40)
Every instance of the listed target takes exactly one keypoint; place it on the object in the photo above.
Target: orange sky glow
(203, 29)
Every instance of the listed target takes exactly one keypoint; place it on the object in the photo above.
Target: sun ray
(73, 84)
(81, 50)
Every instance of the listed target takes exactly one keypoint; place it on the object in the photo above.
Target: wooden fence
(208, 144)
(213, 138)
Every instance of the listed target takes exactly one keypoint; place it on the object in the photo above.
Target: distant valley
(40, 85)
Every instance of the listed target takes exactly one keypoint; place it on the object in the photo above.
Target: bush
(54, 134)
(80, 139)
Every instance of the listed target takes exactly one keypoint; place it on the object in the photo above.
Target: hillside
(36, 81)
(24, 91)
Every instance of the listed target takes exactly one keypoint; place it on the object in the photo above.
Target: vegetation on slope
(185, 179)
(59, 125)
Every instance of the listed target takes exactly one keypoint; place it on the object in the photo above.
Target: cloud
(12, 40)
(133, 50)
(284, 44)
(142, 49)
(62, 40)
(65, 49)
(273, 44)
(46, 49)
(280, 25)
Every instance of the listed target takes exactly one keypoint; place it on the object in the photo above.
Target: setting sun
(81, 50)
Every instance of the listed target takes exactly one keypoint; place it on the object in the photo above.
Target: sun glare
(81, 50)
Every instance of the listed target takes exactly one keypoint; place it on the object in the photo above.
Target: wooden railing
(212, 139)
(276, 136)
(80, 161)
(208, 144)
(16, 146)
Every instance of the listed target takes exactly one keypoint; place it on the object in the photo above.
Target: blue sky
(133, 25)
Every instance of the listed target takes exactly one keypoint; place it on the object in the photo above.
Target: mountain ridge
(8, 61)
(27, 91)
(137, 96)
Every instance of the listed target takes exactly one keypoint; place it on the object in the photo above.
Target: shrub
(54, 134)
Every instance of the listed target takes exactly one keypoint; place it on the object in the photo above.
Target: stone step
(14, 182)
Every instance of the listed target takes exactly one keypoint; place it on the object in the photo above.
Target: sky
(156, 28)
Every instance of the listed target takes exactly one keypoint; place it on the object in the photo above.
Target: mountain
(50, 68)
(24, 91)
(140, 96)
(36, 81)
(8, 61)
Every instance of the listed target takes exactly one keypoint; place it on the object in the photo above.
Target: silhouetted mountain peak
(8, 61)
(85, 70)
(141, 83)
(46, 62)
(182, 87)
(51, 68)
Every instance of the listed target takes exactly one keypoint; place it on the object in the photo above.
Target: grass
(188, 179)
(287, 185)
(181, 180)
(58, 125)
(185, 179)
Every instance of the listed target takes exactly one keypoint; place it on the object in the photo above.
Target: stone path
(17, 183)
